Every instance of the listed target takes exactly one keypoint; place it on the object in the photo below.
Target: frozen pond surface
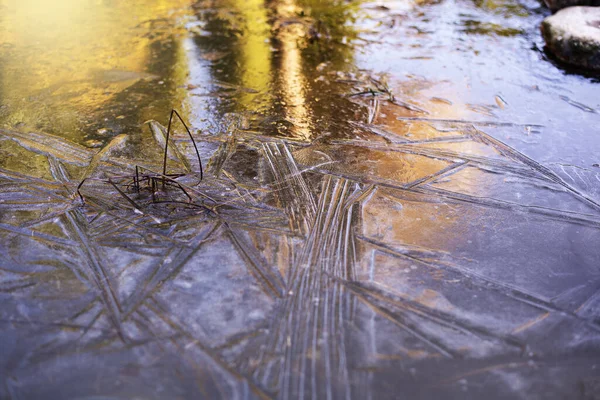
(398, 200)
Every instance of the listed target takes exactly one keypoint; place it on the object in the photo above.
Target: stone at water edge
(556, 5)
(573, 36)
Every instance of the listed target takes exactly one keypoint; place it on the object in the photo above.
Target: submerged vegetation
(154, 180)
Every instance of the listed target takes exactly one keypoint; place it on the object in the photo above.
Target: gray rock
(573, 36)
(556, 5)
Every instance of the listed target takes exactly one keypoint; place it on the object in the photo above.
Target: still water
(396, 199)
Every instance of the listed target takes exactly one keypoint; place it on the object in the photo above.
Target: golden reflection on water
(257, 58)
(255, 49)
(67, 56)
(293, 81)
(293, 86)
